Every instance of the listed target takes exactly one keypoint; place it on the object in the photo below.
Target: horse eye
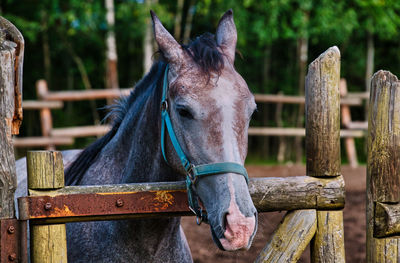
(185, 113)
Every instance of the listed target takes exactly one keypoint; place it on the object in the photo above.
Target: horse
(209, 107)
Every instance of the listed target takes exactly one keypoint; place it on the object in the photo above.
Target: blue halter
(193, 172)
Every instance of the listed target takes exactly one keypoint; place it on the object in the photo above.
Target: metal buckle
(199, 218)
(164, 105)
(190, 174)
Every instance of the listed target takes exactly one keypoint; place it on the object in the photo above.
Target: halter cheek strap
(193, 172)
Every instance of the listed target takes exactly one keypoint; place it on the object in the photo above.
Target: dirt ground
(204, 250)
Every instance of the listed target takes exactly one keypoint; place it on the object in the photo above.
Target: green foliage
(268, 32)
(379, 17)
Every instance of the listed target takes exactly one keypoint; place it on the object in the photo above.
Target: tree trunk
(178, 19)
(369, 68)
(70, 86)
(370, 61)
(266, 107)
(189, 21)
(46, 49)
(85, 78)
(302, 51)
(148, 47)
(282, 141)
(112, 58)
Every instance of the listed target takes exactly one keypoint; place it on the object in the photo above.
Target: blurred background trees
(72, 45)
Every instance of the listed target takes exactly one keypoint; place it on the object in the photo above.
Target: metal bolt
(47, 206)
(11, 230)
(119, 203)
(12, 257)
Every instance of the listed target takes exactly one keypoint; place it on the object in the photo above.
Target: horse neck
(133, 154)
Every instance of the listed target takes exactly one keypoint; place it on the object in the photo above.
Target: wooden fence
(314, 201)
(52, 137)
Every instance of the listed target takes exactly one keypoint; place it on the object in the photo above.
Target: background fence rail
(53, 137)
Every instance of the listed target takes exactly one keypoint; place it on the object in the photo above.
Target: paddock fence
(314, 202)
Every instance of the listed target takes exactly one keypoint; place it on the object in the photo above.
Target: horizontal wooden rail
(291, 237)
(76, 95)
(39, 104)
(270, 98)
(41, 141)
(357, 125)
(81, 131)
(271, 131)
(87, 203)
(360, 95)
(351, 99)
(65, 136)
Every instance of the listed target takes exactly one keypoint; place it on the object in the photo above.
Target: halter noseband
(193, 172)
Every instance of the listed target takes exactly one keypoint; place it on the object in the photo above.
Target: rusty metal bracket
(9, 240)
(102, 206)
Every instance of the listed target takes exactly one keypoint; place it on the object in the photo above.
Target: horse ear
(170, 48)
(227, 35)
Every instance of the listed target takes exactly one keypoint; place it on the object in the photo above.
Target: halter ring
(164, 105)
(199, 219)
(190, 174)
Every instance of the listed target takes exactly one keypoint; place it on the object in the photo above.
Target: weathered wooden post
(11, 59)
(383, 169)
(46, 172)
(291, 237)
(323, 148)
(325, 228)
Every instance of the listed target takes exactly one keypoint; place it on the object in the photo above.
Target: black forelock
(204, 51)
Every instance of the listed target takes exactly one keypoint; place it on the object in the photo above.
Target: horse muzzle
(230, 210)
(239, 229)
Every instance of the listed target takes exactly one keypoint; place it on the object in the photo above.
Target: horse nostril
(225, 221)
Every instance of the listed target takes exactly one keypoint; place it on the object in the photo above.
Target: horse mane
(75, 172)
(204, 52)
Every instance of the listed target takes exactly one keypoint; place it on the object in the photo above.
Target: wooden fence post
(11, 58)
(346, 120)
(8, 177)
(383, 168)
(11, 61)
(46, 172)
(279, 124)
(46, 120)
(323, 148)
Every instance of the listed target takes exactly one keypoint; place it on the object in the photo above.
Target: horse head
(210, 106)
